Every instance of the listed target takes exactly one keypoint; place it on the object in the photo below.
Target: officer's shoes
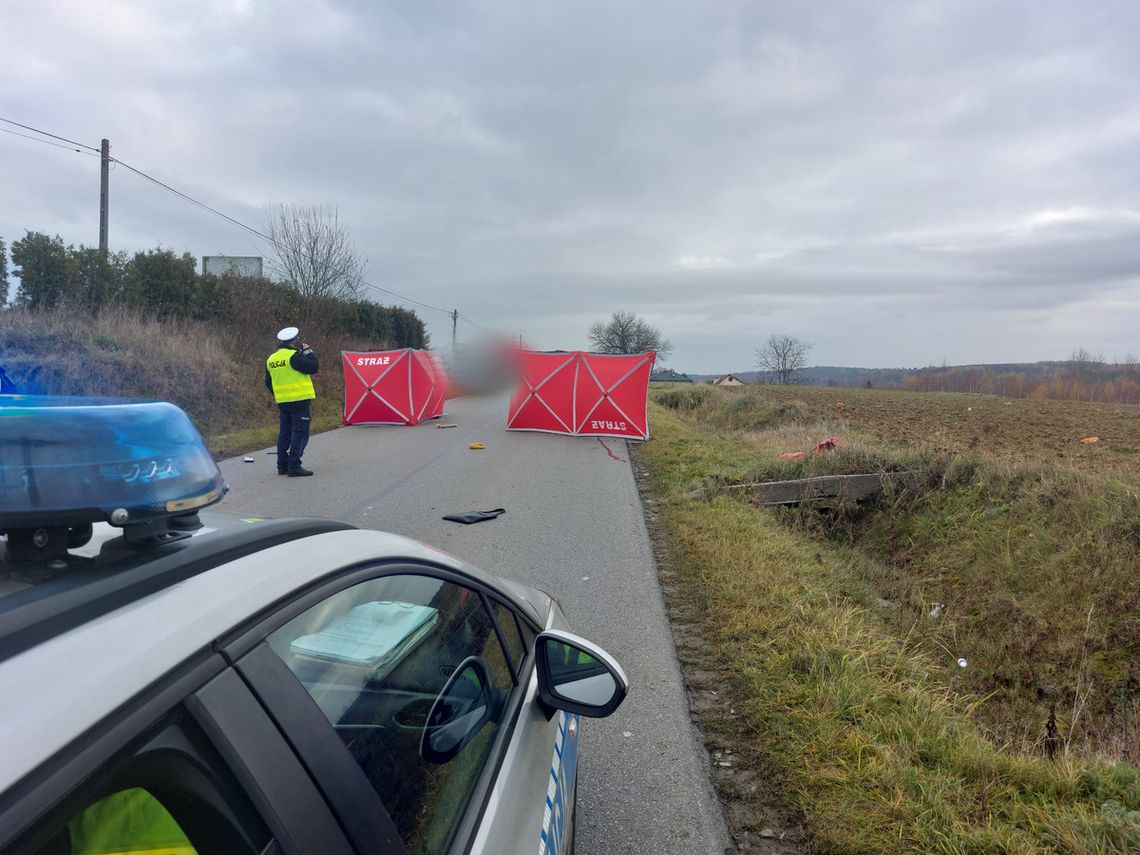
(299, 472)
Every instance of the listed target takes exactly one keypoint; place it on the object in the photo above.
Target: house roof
(668, 375)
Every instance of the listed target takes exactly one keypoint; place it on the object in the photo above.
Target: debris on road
(476, 445)
(247, 460)
(441, 426)
(471, 517)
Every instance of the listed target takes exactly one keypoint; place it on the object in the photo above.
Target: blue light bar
(70, 461)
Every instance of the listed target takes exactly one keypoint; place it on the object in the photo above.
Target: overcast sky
(899, 183)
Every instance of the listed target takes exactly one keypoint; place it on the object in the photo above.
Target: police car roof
(110, 573)
(68, 683)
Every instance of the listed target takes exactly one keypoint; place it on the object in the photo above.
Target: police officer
(288, 374)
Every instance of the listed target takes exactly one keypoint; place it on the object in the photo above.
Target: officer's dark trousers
(293, 433)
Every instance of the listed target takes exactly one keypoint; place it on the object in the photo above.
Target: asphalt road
(574, 528)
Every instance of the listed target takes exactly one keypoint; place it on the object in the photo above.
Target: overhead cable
(188, 198)
(194, 201)
(46, 134)
(463, 317)
(49, 142)
(404, 299)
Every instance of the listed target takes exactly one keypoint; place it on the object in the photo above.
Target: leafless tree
(1085, 366)
(625, 332)
(314, 254)
(782, 356)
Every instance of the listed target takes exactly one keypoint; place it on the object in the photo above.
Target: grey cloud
(839, 168)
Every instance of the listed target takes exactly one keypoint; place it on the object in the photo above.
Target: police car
(177, 682)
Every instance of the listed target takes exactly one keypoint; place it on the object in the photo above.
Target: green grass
(851, 699)
(327, 414)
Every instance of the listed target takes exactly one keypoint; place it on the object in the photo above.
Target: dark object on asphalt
(475, 516)
(299, 472)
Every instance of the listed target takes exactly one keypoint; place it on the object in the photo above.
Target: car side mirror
(577, 676)
(459, 712)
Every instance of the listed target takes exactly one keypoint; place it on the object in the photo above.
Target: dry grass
(853, 693)
(215, 373)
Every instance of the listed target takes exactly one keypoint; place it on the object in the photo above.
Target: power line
(188, 198)
(256, 232)
(47, 142)
(404, 299)
(194, 201)
(475, 324)
(46, 134)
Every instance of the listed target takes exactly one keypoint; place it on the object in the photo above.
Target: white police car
(171, 683)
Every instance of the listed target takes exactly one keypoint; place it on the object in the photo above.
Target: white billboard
(240, 265)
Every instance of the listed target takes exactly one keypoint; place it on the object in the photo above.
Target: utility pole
(454, 323)
(104, 193)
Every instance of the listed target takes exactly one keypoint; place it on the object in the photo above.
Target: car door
(193, 768)
(401, 688)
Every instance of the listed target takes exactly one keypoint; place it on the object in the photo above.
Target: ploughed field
(1014, 429)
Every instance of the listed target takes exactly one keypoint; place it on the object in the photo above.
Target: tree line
(161, 284)
(1079, 378)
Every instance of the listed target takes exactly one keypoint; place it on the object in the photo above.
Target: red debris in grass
(828, 444)
(825, 444)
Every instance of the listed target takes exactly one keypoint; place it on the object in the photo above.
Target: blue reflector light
(69, 461)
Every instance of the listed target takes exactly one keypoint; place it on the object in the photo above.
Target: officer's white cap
(288, 334)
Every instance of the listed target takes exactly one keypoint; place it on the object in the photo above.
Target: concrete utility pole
(454, 323)
(104, 193)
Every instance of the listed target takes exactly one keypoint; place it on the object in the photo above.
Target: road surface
(574, 528)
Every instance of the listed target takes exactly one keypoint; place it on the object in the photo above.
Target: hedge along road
(574, 528)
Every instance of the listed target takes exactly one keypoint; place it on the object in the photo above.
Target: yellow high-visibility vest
(288, 383)
(129, 822)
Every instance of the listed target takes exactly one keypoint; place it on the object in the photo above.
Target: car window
(375, 658)
(130, 820)
(170, 796)
(509, 626)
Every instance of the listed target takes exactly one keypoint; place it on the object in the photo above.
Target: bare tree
(1085, 366)
(625, 332)
(782, 356)
(314, 254)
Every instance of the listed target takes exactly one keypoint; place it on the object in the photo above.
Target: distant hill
(1011, 378)
(827, 375)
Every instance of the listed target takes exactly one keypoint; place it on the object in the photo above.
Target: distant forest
(1083, 377)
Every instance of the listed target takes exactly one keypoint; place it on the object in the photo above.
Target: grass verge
(327, 414)
(873, 748)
